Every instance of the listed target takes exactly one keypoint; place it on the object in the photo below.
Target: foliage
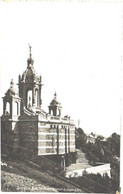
(114, 144)
(115, 174)
(94, 183)
(101, 150)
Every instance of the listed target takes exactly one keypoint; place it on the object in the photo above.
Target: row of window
(58, 126)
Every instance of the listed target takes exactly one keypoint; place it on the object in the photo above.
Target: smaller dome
(11, 91)
(54, 101)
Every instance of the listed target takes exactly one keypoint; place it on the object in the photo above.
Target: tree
(81, 137)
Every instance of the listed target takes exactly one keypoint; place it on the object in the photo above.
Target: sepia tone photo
(61, 96)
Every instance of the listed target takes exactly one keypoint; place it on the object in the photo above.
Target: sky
(76, 48)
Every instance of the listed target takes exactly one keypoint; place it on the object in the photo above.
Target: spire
(30, 61)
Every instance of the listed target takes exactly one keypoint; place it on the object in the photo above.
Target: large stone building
(37, 134)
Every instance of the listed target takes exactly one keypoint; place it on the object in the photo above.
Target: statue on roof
(30, 49)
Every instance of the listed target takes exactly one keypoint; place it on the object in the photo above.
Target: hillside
(13, 182)
(21, 176)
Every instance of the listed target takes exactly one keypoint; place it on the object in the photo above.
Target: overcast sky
(76, 48)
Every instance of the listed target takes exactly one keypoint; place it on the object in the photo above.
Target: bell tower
(30, 87)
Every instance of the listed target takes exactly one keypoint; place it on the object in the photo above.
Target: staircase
(81, 164)
(76, 170)
(81, 157)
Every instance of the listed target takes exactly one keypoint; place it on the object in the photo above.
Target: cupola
(55, 107)
(11, 102)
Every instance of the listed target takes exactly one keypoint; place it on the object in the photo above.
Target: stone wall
(28, 137)
(8, 136)
(101, 169)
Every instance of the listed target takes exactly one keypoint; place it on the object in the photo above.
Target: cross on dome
(55, 95)
(30, 61)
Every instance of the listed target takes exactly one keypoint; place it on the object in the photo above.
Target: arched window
(29, 99)
(15, 108)
(7, 111)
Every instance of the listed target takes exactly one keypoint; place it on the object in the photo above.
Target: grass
(20, 176)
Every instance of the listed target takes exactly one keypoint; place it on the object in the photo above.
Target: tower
(30, 87)
(55, 107)
(11, 109)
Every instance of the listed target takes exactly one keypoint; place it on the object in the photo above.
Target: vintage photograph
(61, 96)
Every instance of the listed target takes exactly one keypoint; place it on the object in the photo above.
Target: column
(11, 107)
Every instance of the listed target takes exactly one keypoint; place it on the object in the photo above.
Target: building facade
(37, 133)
